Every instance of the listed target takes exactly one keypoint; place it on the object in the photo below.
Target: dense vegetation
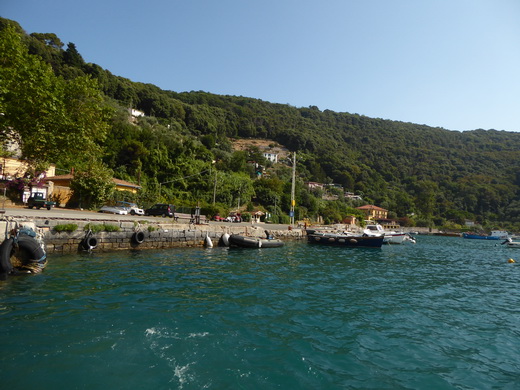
(54, 101)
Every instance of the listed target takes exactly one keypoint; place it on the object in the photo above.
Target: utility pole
(293, 201)
(215, 187)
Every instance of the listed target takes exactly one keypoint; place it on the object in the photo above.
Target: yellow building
(373, 212)
(12, 168)
(59, 187)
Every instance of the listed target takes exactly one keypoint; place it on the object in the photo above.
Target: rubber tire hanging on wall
(6, 250)
(28, 247)
(138, 237)
(89, 243)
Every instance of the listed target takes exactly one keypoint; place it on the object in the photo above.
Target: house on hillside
(351, 195)
(312, 185)
(135, 113)
(60, 187)
(373, 212)
(270, 156)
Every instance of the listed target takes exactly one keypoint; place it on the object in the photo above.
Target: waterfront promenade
(118, 232)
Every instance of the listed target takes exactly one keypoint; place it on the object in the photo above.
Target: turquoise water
(441, 314)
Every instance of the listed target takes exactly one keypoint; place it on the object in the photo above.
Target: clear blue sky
(444, 63)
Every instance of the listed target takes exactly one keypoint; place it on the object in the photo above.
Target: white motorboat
(390, 237)
(511, 244)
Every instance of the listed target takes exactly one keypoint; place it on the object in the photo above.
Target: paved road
(65, 214)
(92, 215)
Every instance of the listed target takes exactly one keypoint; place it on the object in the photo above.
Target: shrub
(101, 228)
(68, 227)
(94, 228)
(112, 228)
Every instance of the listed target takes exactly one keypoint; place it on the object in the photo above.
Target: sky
(453, 64)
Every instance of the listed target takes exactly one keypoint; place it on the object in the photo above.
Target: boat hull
(479, 237)
(394, 238)
(342, 240)
(254, 242)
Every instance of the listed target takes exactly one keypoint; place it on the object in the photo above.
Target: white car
(130, 207)
(113, 210)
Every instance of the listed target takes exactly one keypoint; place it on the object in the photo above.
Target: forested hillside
(182, 147)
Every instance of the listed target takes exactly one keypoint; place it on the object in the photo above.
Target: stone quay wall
(121, 234)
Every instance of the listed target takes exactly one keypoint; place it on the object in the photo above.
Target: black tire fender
(89, 243)
(31, 247)
(138, 237)
(30, 250)
(6, 250)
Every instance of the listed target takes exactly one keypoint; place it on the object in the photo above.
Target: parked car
(161, 209)
(38, 200)
(130, 207)
(113, 210)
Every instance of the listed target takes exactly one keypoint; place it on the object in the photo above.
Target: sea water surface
(441, 314)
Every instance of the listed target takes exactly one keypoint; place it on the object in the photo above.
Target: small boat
(409, 238)
(475, 236)
(390, 237)
(446, 234)
(511, 244)
(346, 240)
(237, 240)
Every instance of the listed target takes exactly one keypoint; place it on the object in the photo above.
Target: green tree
(72, 57)
(92, 185)
(49, 117)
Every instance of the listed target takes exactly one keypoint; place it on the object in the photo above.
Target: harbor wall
(121, 235)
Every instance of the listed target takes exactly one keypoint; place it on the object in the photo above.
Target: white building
(273, 157)
(135, 113)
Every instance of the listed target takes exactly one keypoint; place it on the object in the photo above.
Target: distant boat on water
(476, 236)
(511, 244)
(445, 234)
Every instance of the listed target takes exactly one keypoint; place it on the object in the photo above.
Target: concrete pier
(111, 235)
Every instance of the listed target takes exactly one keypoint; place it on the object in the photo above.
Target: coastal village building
(373, 212)
(135, 113)
(60, 187)
(13, 168)
(273, 157)
(49, 184)
(312, 185)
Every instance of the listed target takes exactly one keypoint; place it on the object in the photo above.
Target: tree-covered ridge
(431, 174)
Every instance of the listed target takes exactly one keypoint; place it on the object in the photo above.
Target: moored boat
(501, 234)
(511, 244)
(237, 240)
(346, 240)
(476, 236)
(390, 237)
